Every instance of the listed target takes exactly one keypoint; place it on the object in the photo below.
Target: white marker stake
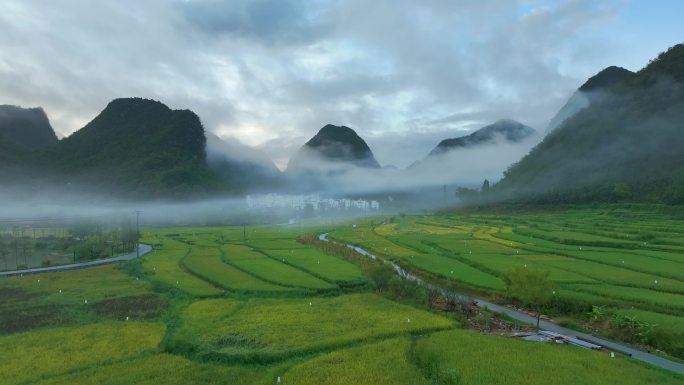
(278, 380)
(612, 355)
(126, 318)
(85, 301)
(408, 320)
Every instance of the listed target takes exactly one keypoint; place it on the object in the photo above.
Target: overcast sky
(404, 74)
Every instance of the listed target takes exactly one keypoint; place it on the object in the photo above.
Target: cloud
(464, 167)
(270, 21)
(274, 71)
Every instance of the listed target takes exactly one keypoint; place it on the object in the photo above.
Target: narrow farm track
(608, 344)
(143, 249)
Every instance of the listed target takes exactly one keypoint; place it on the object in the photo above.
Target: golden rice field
(227, 305)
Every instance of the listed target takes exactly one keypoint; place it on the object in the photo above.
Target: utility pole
(16, 249)
(23, 244)
(137, 233)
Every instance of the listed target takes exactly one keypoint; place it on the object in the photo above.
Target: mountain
(26, 128)
(338, 145)
(135, 147)
(592, 90)
(243, 166)
(506, 129)
(10, 153)
(626, 146)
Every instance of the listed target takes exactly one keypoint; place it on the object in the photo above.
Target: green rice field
(256, 305)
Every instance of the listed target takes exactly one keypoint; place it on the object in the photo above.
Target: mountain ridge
(590, 91)
(627, 146)
(28, 128)
(507, 129)
(335, 144)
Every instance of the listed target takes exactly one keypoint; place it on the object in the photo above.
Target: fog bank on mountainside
(626, 146)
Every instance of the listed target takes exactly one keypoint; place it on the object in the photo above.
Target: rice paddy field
(628, 261)
(629, 258)
(234, 305)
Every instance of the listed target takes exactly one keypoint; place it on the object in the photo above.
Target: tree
(530, 286)
(485, 186)
(465, 194)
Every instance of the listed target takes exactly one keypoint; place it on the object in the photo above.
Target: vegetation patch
(464, 357)
(48, 352)
(19, 319)
(261, 330)
(164, 369)
(207, 264)
(141, 307)
(383, 363)
(271, 270)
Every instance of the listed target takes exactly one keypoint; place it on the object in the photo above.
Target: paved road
(545, 325)
(144, 249)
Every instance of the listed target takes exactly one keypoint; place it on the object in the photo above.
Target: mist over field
(341, 192)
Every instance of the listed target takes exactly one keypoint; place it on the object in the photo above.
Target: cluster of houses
(315, 202)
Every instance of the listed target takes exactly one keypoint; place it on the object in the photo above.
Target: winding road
(143, 249)
(545, 325)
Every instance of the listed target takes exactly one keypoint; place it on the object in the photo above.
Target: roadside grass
(465, 357)
(76, 286)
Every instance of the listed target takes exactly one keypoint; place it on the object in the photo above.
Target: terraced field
(234, 305)
(268, 329)
(622, 259)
